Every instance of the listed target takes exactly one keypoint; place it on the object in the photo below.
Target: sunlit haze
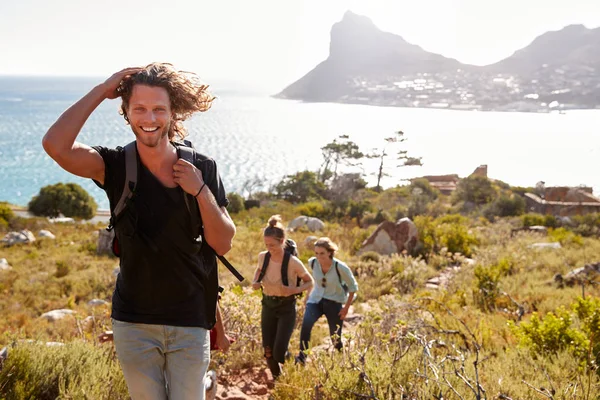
(263, 44)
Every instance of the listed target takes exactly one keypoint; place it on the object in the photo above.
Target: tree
(251, 184)
(68, 199)
(341, 151)
(475, 189)
(300, 187)
(402, 155)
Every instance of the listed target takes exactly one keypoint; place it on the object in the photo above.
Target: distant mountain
(367, 65)
(574, 46)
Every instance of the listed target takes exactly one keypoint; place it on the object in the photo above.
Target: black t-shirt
(166, 277)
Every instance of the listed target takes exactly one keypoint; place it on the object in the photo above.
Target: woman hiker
(282, 276)
(332, 295)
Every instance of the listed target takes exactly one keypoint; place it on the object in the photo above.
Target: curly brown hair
(186, 93)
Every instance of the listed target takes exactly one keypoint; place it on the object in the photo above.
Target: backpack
(290, 249)
(342, 283)
(185, 151)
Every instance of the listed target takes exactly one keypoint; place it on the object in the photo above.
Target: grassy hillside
(501, 328)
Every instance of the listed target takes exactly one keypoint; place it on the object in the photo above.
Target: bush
(236, 203)
(313, 209)
(564, 237)
(551, 334)
(6, 215)
(68, 199)
(505, 206)
(300, 187)
(475, 189)
(370, 256)
(72, 371)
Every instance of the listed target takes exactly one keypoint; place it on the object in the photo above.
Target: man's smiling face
(149, 114)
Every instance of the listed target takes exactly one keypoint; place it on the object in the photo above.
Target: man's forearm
(219, 229)
(62, 134)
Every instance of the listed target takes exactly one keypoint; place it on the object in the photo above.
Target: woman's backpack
(290, 249)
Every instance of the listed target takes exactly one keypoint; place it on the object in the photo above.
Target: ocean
(252, 135)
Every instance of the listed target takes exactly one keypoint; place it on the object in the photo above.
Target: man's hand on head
(112, 84)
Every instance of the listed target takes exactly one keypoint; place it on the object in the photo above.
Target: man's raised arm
(59, 142)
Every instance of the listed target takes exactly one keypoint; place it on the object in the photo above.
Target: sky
(264, 44)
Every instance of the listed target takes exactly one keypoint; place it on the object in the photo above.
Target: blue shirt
(333, 289)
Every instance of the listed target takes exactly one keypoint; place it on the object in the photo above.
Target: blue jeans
(313, 312)
(161, 362)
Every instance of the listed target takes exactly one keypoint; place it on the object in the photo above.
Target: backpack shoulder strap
(187, 153)
(129, 186)
(312, 264)
(284, 268)
(263, 270)
(338, 273)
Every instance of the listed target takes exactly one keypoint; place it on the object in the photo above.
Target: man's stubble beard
(151, 141)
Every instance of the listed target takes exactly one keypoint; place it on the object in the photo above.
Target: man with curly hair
(165, 299)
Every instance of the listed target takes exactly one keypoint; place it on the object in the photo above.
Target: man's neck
(154, 158)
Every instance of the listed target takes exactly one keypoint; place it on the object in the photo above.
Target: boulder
(96, 302)
(55, 315)
(4, 266)
(313, 224)
(553, 245)
(310, 241)
(105, 239)
(390, 238)
(25, 236)
(46, 234)
(578, 275)
(61, 220)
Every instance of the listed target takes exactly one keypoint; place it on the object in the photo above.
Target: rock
(310, 241)
(390, 238)
(116, 271)
(56, 315)
(313, 224)
(4, 266)
(25, 236)
(46, 234)
(542, 230)
(578, 275)
(97, 302)
(105, 240)
(553, 245)
(61, 220)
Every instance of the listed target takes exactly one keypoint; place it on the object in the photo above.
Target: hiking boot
(210, 385)
(299, 360)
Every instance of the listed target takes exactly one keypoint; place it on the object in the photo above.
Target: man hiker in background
(173, 225)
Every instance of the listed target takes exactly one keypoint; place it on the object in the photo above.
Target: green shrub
(236, 203)
(313, 209)
(505, 206)
(551, 334)
(72, 371)
(533, 219)
(68, 199)
(564, 237)
(456, 238)
(475, 189)
(62, 269)
(370, 256)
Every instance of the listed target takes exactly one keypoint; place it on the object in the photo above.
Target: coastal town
(547, 89)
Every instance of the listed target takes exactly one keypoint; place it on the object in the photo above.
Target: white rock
(313, 224)
(56, 315)
(46, 234)
(310, 240)
(553, 245)
(61, 220)
(24, 236)
(96, 302)
(4, 266)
